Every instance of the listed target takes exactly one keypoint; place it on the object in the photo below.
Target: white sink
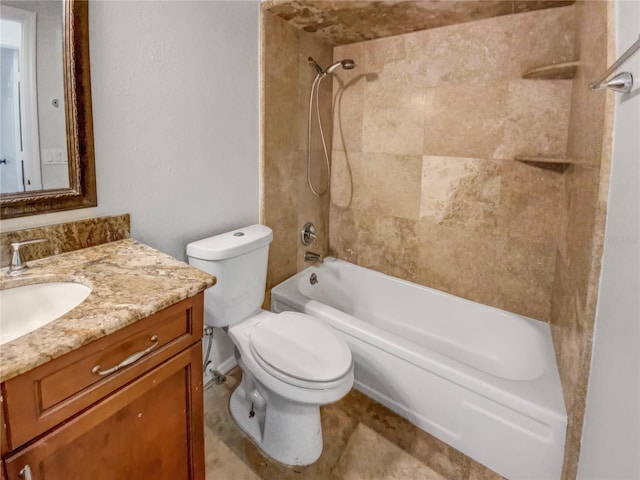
(23, 309)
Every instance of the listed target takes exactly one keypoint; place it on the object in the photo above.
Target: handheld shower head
(347, 64)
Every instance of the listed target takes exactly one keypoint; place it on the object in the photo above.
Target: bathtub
(481, 379)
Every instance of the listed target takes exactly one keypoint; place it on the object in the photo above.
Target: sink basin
(23, 309)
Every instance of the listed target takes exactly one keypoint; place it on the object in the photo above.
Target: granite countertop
(129, 281)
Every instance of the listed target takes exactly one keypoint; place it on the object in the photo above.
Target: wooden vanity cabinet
(144, 421)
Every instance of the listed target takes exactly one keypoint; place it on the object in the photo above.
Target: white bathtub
(481, 379)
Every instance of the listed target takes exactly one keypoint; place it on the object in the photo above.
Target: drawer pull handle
(25, 473)
(127, 361)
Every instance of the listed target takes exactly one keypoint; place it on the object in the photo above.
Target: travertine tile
(465, 119)
(344, 235)
(280, 78)
(347, 22)
(386, 184)
(349, 99)
(588, 110)
(342, 177)
(459, 261)
(532, 204)
(286, 201)
(577, 271)
(280, 204)
(350, 425)
(309, 46)
(480, 472)
(461, 54)
(437, 455)
(552, 32)
(221, 462)
(388, 244)
(525, 277)
(460, 191)
(577, 249)
(313, 209)
(537, 127)
(370, 455)
(442, 458)
(393, 119)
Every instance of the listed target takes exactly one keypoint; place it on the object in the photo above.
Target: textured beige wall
(577, 271)
(425, 186)
(286, 203)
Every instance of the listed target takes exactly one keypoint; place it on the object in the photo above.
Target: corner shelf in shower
(555, 71)
(546, 163)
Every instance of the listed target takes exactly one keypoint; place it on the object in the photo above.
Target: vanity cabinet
(76, 417)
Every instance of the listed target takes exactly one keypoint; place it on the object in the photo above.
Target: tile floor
(363, 440)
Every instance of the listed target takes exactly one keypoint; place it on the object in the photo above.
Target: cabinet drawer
(152, 428)
(47, 395)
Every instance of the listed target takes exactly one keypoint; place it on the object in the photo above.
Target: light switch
(54, 156)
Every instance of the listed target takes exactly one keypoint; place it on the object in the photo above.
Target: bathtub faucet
(312, 257)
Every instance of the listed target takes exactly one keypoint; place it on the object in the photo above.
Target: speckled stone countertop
(129, 281)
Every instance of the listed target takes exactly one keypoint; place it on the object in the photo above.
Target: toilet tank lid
(231, 244)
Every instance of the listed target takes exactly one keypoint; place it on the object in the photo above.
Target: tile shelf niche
(555, 71)
(547, 163)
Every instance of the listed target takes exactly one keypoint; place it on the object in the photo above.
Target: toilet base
(289, 432)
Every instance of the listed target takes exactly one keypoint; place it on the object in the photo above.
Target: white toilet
(291, 363)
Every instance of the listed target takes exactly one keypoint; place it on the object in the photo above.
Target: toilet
(291, 363)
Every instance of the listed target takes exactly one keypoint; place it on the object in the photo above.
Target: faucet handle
(17, 245)
(17, 264)
(308, 234)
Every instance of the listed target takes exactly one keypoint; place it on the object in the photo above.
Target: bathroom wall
(577, 271)
(175, 106)
(611, 433)
(424, 184)
(286, 203)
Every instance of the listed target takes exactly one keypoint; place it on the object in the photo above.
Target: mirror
(48, 166)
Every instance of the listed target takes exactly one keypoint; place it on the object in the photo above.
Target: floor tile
(369, 455)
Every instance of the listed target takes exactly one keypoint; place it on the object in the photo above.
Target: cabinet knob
(25, 473)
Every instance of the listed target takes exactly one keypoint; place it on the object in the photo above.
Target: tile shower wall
(424, 182)
(424, 185)
(577, 271)
(286, 203)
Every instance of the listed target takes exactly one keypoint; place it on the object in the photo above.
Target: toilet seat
(299, 350)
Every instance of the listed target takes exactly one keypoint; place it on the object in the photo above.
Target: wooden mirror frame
(79, 121)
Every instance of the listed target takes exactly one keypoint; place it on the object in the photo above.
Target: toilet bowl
(291, 363)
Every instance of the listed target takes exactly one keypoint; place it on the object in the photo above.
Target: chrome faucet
(312, 257)
(18, 265)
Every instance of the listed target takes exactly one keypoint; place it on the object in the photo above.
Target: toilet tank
(238, 259)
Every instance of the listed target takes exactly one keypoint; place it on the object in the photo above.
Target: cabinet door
(150, 429)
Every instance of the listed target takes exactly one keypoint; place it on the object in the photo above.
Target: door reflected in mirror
(47, 157)
(33, 140)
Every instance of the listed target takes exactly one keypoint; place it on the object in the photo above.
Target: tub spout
(312, 257)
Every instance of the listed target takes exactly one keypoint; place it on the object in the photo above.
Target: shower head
(347, 64)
